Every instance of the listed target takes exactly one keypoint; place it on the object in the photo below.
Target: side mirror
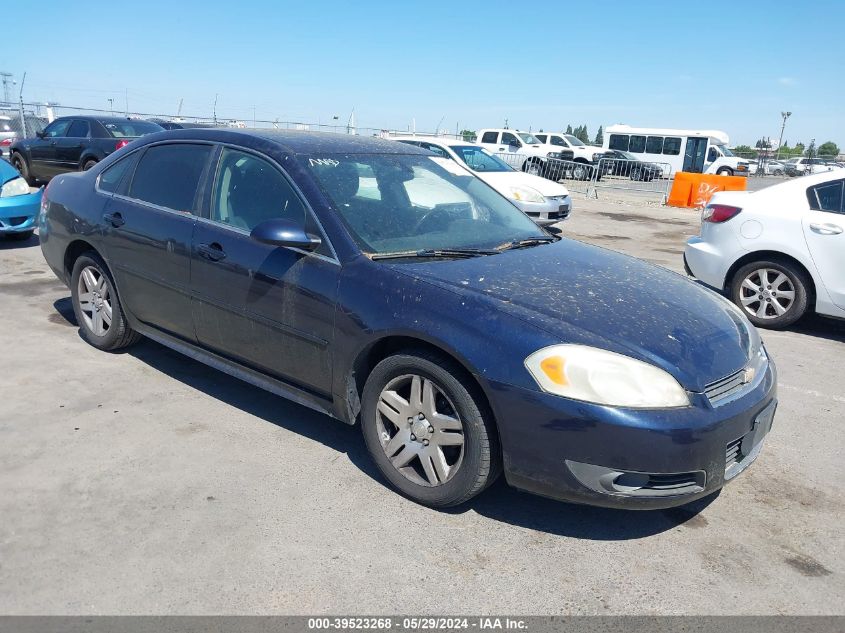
(281, 232)
(40, 134)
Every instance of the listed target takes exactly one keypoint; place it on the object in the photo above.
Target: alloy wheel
(767, 293)
(95, 300)
(420, 430)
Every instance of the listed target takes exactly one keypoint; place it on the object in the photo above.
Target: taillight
(120, 144)
(6, 142)
(717, 213)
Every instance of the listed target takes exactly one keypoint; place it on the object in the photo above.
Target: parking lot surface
(145, 482)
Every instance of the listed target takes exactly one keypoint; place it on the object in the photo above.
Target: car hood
(501, 181)
(7, 172)
(589, 295)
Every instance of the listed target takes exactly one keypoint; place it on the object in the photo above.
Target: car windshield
(574, 140)
(528, 138)
(130, 129)
(398, 203)
(724, 149)
(478, 159)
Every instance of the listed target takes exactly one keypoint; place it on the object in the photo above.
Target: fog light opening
(628, 482)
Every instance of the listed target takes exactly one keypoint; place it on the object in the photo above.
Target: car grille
(15, 221)
(733, 453)
(726, 387)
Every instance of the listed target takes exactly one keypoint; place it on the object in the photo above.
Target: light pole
(785, 116)
(111, 105)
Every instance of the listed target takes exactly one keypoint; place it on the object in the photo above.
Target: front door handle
(115, 219)
(213, 252)
(826, 229)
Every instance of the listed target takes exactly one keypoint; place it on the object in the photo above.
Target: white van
(696, 151)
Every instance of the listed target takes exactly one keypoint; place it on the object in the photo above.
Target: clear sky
(731, 65)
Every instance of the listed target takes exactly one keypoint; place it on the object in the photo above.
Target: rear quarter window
(827, 196)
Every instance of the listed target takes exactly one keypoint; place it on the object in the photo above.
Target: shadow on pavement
(499, 502)
(11, 243)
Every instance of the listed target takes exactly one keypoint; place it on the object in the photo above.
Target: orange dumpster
(694, 190)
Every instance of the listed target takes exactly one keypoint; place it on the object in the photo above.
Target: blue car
(388, 287)
(18, 206)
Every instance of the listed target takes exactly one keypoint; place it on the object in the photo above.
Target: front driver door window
(268, 307)
(43, 152)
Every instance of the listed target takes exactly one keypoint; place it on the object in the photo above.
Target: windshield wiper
(438, 252)
(531, 241)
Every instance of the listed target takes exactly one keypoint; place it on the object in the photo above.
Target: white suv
(521, 150)
(804, 166)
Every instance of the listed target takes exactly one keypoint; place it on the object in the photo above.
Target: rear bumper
(574, 451)
(709, 261)
(18, 213)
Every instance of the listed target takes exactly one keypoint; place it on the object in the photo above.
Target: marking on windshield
(325, 162)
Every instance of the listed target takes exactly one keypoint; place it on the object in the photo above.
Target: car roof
(435, 140)
(101, 119)
(297, 141)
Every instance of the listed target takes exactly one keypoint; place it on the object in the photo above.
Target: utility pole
(111, 105)
(214, 110)
(126, 102)
(785, 116)
(20, 107)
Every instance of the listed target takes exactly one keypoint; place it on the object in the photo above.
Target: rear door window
(489, 137)
(78, 129)
(827, 197)
(169, 175)
(114, 178)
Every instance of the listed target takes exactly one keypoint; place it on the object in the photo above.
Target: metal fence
(576, 175)
(632, 175)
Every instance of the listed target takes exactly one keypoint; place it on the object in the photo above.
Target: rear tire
(402, 428)
(19, 163)
(772, 294)
(97, 306)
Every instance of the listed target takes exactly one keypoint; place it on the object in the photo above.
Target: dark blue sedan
(381, 284)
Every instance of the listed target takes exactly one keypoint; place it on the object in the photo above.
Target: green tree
(798, 149)
(744, 151)
(468, 135)
(583, 135)
(569, 129)
(599, 140)
(828, 148)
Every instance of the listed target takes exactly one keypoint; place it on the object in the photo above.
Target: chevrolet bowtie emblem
(748, 375)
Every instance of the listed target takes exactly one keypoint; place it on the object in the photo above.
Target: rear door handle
(213, 252)
(826, 229)
(115, 219)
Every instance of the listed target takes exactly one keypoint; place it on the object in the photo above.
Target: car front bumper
(552, 210)
(18, 213)
(624, 458)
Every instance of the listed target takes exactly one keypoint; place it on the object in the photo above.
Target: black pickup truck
(74, 143)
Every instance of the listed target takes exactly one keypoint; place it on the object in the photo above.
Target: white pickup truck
(521, 150)
(581, 152)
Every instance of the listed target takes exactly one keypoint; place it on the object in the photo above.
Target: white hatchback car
(777, 252)
(544, 201)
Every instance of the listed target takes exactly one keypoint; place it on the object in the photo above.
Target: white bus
(696, 151)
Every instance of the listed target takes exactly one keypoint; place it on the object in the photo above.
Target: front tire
(19, 163)
(97, 307)
(772, 294)
(533, 167)
(428, 430)
(725, 171)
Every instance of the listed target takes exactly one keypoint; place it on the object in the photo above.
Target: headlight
(526, 194)
(596, 375)
(15, 187)
(554, 155)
